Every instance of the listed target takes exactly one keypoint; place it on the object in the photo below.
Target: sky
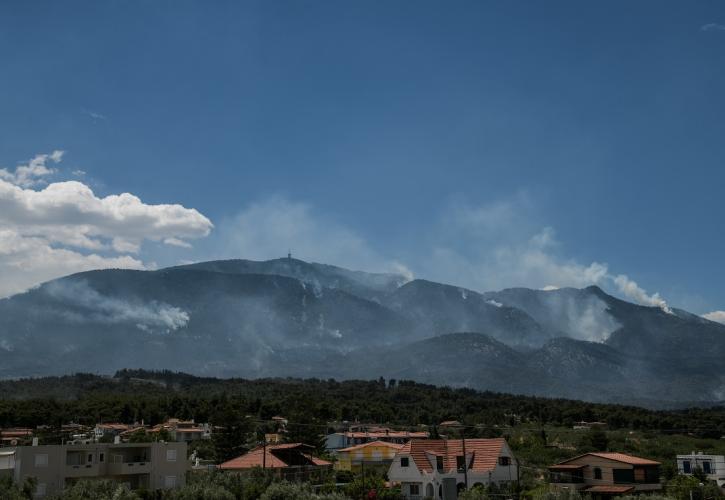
(487, 144)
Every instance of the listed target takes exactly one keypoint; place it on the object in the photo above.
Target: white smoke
(146, 317)
(716, 316)
(630, 289)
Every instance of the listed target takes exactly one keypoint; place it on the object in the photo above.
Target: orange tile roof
(114, 426)
(627, 459)
(485, 452)
(257, 458)
(390, 434)
(372, 443)
(617, 457)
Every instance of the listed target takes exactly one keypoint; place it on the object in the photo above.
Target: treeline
(152, 396)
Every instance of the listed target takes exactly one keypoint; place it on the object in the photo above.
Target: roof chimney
(35, 441)
(117, 440)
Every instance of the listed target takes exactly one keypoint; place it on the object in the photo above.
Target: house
(149, 466)
(292, 461)
(439, 468)
(711, 465)
(111, 430)
(184, 430)
(603, 474)
(16, 436)
(339, 440)
(373, 454)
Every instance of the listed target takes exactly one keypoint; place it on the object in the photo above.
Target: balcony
(81, 470)
(126, 468)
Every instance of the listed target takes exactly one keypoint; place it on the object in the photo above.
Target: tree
(10, 491)
(98, 490)
(595, 439)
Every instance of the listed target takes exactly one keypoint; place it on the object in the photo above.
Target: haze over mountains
(286, 317)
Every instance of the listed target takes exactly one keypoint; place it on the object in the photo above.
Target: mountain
(367, 285)
(437, 309)
(287, 317)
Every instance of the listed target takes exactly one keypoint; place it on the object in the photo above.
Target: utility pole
(465, 458)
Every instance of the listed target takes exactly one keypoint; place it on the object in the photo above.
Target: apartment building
(713, 466)
(151, 466)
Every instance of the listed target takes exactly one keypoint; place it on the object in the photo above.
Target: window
(101, 457)
(414, 489)
(439, 463)
(41, 460)
(171, 455)
(597, 473)
(460, 463)
(40, 489)
(89, 458)
(170, 482)
(404, 461)
(623, 476)
(706, 468)
(504, 461)
(686, 467)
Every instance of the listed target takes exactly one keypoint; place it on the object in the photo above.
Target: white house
(438, 468)
(712, 465)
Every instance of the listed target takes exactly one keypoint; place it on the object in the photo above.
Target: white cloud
(712, 27)
(26, 261)
(64, 208)
(717, 316)
(34, 172)
(47, 231)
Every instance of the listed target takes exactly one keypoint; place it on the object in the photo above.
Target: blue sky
(488, 144)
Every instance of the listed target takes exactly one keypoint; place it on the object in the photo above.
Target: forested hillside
(135, 395)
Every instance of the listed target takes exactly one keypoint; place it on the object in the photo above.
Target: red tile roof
(485, 452)
(372, 443)
(627, 459)
(256, 457)
(617, 457)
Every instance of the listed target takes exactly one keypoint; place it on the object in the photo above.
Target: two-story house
(149, 466)
(713, 466)
(375, 454)
(603, 474)
(439, 468)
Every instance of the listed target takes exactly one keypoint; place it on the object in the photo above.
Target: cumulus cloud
(270, 227)
(717, 316)
(49, 232)
(712, 27)
(34, 172)
(26, 261)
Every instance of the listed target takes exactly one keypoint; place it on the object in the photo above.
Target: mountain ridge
(287, 317)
